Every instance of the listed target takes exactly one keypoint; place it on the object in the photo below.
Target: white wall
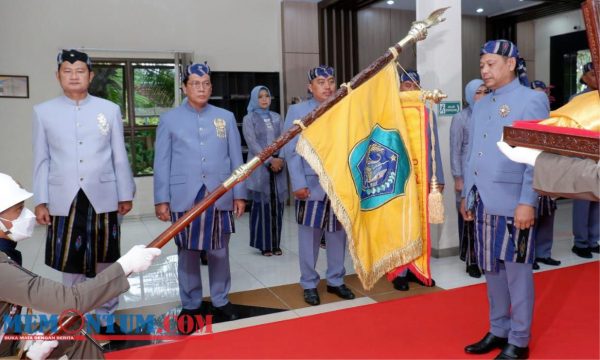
(473, 37)
(439, 63)
(300, 22)
(232, 35)
(550, 26)
(526, 44)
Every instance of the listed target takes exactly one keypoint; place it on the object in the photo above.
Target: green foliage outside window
(152, 85)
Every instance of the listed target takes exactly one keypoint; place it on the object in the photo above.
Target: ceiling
(469, 7)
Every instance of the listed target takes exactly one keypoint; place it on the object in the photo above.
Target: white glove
(139, 258)
(519, 154)
(41, 349)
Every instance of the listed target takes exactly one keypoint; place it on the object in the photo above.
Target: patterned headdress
(538, 84)
(198, 69)
(508, 49)
(72, 56)
(322, 71)
(410, 75)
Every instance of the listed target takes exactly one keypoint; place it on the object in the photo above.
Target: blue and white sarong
(265, 229)
(317, 214)
(206, 231)
(497, 239)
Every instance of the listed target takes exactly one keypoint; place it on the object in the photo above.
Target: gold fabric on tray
(583, 112)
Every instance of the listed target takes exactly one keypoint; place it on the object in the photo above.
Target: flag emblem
(380, 167)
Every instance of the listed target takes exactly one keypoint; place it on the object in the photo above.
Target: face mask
(22, 227)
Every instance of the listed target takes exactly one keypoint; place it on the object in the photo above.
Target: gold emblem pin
(220, 126)
(504, 110)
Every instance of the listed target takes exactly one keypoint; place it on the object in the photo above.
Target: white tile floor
(250, 270)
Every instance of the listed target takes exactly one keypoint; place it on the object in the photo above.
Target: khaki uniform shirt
(21, 287)
(557, 175)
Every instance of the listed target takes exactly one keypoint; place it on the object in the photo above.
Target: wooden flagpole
(591, 18)
(417, 32)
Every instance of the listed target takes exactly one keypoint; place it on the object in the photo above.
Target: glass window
(583, 57)
(154, 92)
(109, 84)
(144, 89)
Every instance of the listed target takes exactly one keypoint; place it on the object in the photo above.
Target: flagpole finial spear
(418, 32)
(418, 29)
(435, 95)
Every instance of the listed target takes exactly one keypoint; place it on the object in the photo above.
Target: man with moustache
(82, 179)
(498, 195)
(314, 214)
(197, 148)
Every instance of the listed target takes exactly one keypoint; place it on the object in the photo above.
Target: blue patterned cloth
(497, 239)
(266, 220)
(538, 84)
(206, 231)
(77, 242)
(197, 69)
(546, 206)
(320, 71)
(410, 75)
(317, 214)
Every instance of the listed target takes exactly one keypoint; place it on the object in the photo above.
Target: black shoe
(203, 257)
(187, 318)
(116, 330)
(595, 249)
(400, 283)
(488, 343)
(311, 297)
(113, 344)
(277, 252)
(474, 271)
(510, 351)
(548, 261)
(535, 265)
(412, 277)
(341, 291)
(585, 253)
(226, 312)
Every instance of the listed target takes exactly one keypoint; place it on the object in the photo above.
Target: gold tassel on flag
(436, 202)
(435, 198)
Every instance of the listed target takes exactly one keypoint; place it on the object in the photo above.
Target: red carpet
(565, 326)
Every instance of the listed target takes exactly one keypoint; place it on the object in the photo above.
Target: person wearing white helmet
(21, 287)
(16, 221)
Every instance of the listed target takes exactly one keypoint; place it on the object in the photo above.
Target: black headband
(72, 56)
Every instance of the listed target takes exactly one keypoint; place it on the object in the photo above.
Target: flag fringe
(368, 277)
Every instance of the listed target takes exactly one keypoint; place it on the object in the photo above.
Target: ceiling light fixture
(390, 2)
(479, 11)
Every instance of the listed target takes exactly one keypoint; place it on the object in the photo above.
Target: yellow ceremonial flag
(370, 152)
